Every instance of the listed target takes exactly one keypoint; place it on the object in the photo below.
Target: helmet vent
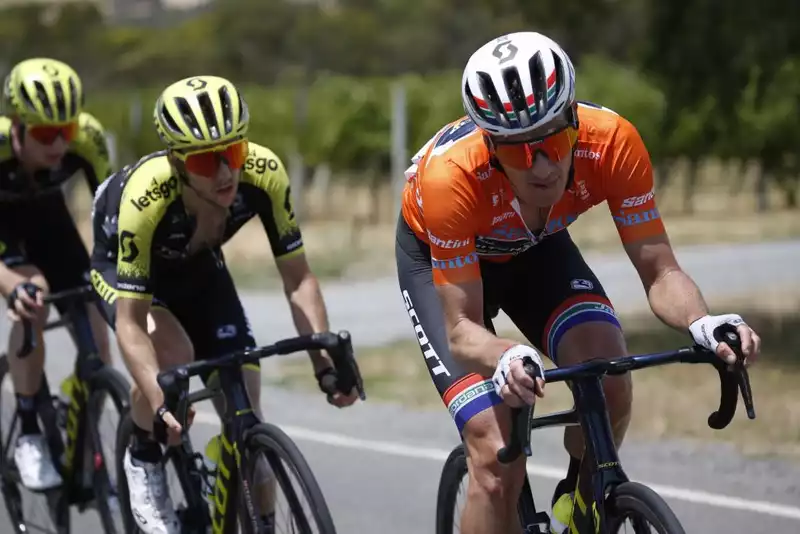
(188, 117)
(204, 100)
(41, 94)
(492, 98)
(227, 109)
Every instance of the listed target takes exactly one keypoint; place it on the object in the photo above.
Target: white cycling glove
(516, 352)
(702, 329)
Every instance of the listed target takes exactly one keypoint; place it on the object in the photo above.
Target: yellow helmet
(200, 111)
(43, 91)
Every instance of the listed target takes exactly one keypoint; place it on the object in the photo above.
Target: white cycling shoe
(35, 465)
(151, 504)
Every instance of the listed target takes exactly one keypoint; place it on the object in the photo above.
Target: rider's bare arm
(305, 301)
(137, 348)
(673, 295)
(471, 343)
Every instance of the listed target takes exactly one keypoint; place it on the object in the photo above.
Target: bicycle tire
(635, 499)
(56, 499)
(453, 471)
(12, 497)
(265, 437)
(107, 382)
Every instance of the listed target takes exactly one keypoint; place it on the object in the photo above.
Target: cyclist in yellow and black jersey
(45, 140)
(158, 265)
(147, 225)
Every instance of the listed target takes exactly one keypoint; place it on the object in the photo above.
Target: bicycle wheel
(453, 473)
(634, 502)
(106, 383)
(50, 514)
(270, 442)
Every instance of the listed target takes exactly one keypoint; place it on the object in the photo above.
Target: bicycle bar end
(174, 383)
(520, 428)
(346, 365)
(731, 381)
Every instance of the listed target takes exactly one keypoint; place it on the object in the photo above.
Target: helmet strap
(17, 135)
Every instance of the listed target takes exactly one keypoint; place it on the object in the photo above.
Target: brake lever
(742, 376)
(344, 362)
(731, 376)
(521, 418)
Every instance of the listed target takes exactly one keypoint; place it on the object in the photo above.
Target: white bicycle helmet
(520, 84)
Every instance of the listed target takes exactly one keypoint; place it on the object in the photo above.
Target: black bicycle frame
(76, 319)
(239, 418)
(590, 411)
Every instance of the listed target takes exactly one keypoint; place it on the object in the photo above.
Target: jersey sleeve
(449, 207)
(136, 225)
(91, 145)
(265, 170)
(629, 187)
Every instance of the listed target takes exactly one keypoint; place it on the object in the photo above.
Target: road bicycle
(616, 499)
(71, 426)
(244, 440)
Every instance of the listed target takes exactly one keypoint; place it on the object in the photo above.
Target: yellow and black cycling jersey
(88, 152)
(140, 220)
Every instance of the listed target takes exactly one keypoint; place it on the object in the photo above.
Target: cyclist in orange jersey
(484, 227)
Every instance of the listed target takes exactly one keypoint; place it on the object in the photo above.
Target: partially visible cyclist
(157, 262)
(484, 227)
(45, 139)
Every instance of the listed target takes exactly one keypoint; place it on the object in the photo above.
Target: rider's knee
(483, 438)
(599, 340)
(252, 382)
(618, 391)
(170, 340)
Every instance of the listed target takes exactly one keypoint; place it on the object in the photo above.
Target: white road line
(429, 453)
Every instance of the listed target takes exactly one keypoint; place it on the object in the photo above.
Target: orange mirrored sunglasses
(47, 134)
(206, 162)
(521, 155)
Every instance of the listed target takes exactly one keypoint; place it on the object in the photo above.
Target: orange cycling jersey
(464, 208)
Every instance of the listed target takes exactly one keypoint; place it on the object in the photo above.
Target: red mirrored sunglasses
(206, 162)
(521, 154)
(47, 134)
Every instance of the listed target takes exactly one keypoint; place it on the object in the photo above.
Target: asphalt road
(379, 464)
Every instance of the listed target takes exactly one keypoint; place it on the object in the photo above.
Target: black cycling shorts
(199, 292)
(41, 232)
(545, 291)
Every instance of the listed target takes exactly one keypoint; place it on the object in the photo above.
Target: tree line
(698, 78)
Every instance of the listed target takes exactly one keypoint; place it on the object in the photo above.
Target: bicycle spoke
(277, 489)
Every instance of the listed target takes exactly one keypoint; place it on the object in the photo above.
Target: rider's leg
(151, 504)
(222, 329)
(574, 322)
(479, 414)
(100, 331)
(31, 453)
(597, 340)
(26, 373)
(173, 347)
(491, 504)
